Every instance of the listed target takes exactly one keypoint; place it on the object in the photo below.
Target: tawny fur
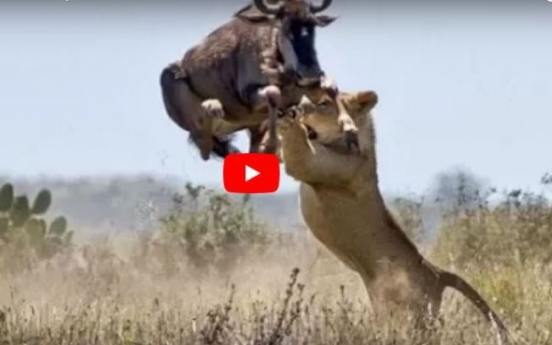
(343, 207)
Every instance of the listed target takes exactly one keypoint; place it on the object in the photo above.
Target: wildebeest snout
(309, 75)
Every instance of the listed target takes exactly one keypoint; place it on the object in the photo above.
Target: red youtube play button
(251, 173)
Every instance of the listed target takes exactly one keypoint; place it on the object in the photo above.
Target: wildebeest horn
(319, 8)
(272, 8)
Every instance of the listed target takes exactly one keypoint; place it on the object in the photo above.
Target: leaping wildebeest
(243, 72)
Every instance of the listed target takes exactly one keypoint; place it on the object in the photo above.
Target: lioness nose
(351, 139)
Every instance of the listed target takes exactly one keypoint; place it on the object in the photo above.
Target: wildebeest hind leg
(188, 111)
(223, 147)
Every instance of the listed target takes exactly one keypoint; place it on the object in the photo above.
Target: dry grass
(147, 290)
(94, 297)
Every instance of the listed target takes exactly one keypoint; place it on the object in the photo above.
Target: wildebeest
(262, 60)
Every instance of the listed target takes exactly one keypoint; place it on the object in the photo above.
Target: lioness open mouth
(311, 133)
(345, 145)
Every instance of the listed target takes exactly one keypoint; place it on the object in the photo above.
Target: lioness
(343, 207)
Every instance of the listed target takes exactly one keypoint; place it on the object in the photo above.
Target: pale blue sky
(80, 94)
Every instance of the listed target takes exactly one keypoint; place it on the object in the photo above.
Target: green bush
(214, 230)
(516, 231)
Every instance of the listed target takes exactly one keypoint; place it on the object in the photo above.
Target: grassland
(213, 274)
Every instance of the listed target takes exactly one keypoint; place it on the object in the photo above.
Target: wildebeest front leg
(269, 95)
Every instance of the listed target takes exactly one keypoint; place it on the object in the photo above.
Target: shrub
(516, 231)
(216, 233)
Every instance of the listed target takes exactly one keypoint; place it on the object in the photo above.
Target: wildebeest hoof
(330, 87)
(205, 155)
(213, 108)
(272, 95)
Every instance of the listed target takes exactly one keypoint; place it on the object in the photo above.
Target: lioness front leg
(311, 162)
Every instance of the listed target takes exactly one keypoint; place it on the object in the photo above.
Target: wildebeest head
(296, 41)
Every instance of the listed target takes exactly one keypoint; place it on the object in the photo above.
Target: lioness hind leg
(188, 111)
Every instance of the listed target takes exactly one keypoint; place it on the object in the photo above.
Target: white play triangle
(250, 173)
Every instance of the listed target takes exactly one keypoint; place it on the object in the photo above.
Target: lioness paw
(285, 122)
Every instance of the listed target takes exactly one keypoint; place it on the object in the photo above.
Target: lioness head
(322, 123)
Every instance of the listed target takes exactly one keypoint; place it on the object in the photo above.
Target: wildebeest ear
(367, 99)
(252, 14)
(324, 20)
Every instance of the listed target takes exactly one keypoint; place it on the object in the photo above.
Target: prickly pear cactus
(42, 202)
(21, 223)
(58, 226)
(20, 211)
(6, 197)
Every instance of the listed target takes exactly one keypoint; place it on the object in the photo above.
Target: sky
(464, 84)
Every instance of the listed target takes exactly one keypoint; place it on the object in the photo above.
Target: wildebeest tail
(452, 280)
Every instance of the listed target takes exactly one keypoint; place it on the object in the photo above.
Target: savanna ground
(213, 274)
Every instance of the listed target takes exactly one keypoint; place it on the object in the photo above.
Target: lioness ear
(324, 20)
(367, 99)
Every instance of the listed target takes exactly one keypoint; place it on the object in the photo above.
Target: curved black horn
(319, 8)
(273, 8)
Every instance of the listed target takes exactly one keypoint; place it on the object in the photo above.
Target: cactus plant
(6, 197)
(4, 226)
(20, 211)
(42, 202)
(20, 224)
(68, 237)
(58, 226)
(36, 228)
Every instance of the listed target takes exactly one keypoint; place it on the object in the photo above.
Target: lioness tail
(452, 280)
